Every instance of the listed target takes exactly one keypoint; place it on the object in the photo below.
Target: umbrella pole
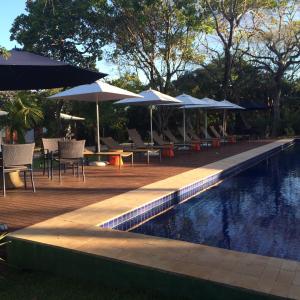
(184, 129)
(98, 127)
(151, 125)
(205, 120)
(224, 122)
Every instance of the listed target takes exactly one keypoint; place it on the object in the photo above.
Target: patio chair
(49, 151)
(71, 153)
(17, 157)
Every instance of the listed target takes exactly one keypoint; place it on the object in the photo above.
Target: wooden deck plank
(23, 208)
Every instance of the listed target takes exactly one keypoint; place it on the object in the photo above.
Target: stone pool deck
(73, 244)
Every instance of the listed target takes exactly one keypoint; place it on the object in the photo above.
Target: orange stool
(196, 146)
(168, 151)
(232, 139)
(116, 160)
(216, 143)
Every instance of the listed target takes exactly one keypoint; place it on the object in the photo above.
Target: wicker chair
(17, 158)
(71, 153)
(50, 150)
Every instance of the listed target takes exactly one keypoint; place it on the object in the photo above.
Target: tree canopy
(66, 30)
(234, 49)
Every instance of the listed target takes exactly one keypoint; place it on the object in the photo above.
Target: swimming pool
(256, 211)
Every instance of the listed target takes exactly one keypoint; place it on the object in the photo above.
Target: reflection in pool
(257, 211)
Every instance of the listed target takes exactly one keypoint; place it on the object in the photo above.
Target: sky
(10, 9)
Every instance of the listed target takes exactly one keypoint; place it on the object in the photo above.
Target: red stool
(116, 160)
(196, 146)
(216, 143)
(232, 139)
(168, 151)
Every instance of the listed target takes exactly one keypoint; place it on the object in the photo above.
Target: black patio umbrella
(23, 70)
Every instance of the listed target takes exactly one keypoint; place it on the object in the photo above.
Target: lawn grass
(17, 284)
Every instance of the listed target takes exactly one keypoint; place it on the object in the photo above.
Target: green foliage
(23, 110)
(130, 82)
(2, 243)
(274, 47)
(155, 37)
(166, 40)
(4, 52)
(65, 30)
(115, 118)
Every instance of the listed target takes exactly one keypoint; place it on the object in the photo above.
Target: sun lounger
(240, 136)
(205, 133)
(229, 138)
(172, 138)
(195, 143)
(136, 138)
(140, 146)
(215, 142)
(114, 145)
(160, 141)
(177, 142)
(167, 147)
(193, 137)
(217, 134)
(187, 138)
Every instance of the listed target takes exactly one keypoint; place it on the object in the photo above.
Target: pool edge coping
(57, 235)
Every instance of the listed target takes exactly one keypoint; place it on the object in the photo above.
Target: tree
(68, 30)
(274, 47)
(23, 110)
(4, 52)
(228, 22)
(249, 85)
(155, 37)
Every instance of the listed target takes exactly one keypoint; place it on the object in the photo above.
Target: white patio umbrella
(210, 104)
(69, 117)
(229, 105)
(98, 91)
(3, 113)
(187, 100)
(150, 98)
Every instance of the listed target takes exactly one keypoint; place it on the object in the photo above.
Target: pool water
(256, 211)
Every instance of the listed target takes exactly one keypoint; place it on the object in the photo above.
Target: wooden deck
(23, 208)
